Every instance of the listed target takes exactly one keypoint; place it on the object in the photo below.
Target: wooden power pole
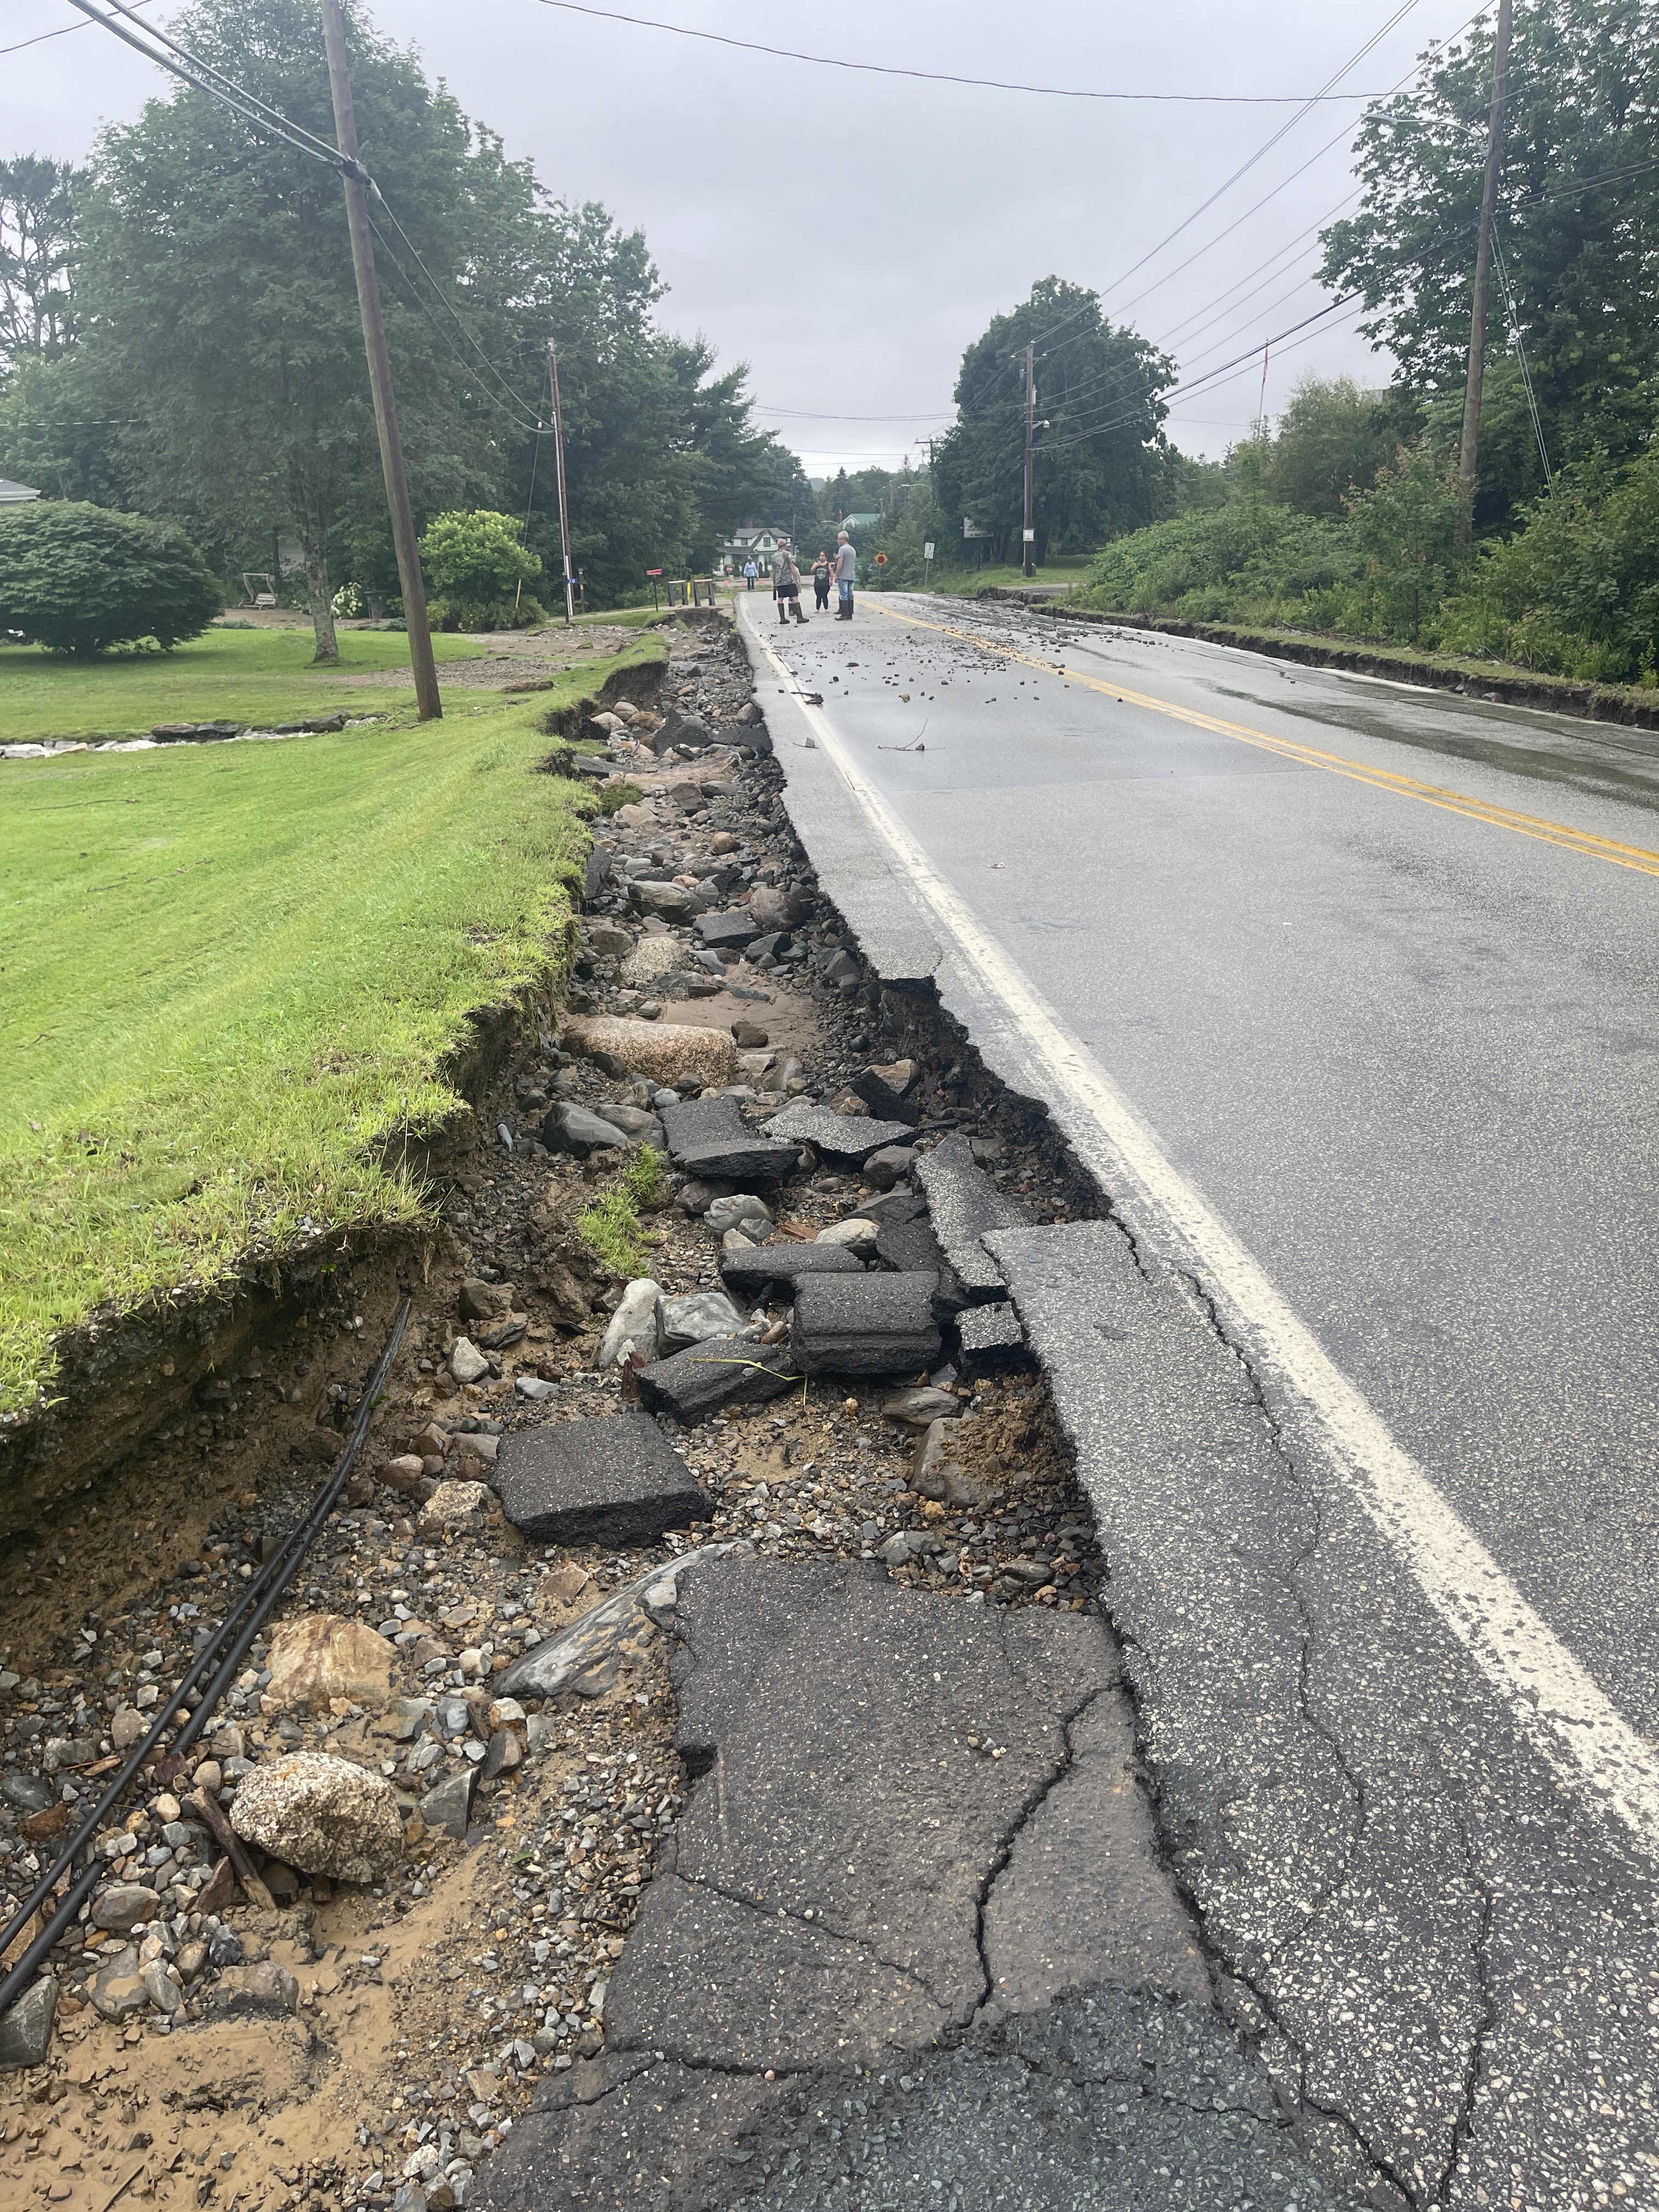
(1028, 545)
(379, 371)
(1469, 451)
(564, 504)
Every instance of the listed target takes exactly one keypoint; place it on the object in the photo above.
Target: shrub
(524, 613)
(79, 579)
(477, 564)
(1253, 559)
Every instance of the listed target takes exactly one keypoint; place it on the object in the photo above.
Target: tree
(79, 579)
(1332, 437)
(37, 225)
(1577, 229)
(216, 280)
(1410, 525)
(1102, 465)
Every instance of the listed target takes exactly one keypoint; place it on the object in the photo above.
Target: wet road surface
(1369, 976)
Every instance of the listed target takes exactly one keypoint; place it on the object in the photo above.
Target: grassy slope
(227, 971)
(225, 675)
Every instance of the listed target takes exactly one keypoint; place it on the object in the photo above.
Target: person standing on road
(786, 586)
(847, 566)
(750, 572)
(821, 582)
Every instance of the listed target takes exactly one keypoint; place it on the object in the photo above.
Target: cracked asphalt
(1376, 969)
(911, 1938)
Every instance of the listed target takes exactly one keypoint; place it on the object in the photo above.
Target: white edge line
(1556, 1704)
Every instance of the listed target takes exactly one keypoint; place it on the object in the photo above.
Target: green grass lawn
(228, 972)
(223, 676)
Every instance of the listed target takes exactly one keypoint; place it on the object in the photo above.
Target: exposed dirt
(508, 658)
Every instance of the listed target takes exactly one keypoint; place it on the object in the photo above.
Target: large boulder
(322, 1814)
(319, 1655)
(672, 1053)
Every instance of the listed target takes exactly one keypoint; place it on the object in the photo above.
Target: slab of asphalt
(911, 1941)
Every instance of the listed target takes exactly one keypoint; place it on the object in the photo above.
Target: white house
(15, 494)
(757, 542)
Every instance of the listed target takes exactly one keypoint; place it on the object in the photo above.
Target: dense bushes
(478, 565)
(79, 579)
(1254, 560)
(1574, 592)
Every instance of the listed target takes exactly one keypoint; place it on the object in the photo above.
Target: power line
(278, 128)
(1261, 153)
(980, 83)
(1114, 379)
(40, 37)
(205, 77)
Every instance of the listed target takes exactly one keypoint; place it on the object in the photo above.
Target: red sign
(881, 560)
(654, 572)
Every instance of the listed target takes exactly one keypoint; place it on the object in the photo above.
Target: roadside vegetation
(229, 973)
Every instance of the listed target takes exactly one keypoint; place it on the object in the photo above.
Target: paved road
(1348, 992)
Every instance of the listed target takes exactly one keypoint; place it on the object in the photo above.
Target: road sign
(1030, 537)
(928, 550)
(972, 529)
(654, 572)
(881, 560)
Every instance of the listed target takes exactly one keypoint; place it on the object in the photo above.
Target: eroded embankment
(357, 2041)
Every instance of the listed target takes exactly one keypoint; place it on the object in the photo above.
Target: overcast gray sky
(848, 234)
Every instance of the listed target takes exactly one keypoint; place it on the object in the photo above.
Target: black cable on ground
(241, 1624)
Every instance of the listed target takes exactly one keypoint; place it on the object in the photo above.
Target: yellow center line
(1381, 779)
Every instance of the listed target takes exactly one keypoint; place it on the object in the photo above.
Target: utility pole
(1029, 567)
(564, 505)
(1469, 450)
(355, 179)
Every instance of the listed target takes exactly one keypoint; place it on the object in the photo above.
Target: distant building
(849, 523)
(757, 542)
(15, 494)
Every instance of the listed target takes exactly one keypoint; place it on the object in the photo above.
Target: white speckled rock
(322, 1814)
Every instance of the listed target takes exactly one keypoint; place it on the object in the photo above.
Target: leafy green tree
(215, 281)
(79, 579)
(37, 226)
(1332, 437)
(1102, 463)
(1579, 213)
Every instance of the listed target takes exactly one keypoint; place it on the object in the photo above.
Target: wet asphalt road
(1412, 1058)
(1380, 970)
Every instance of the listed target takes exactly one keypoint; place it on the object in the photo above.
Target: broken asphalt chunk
(709, 1138)
(991, 1337)
(730, 1370)
(727, 933)
(613, 1480)
(774, 1270)
(964, 1205)
(839, 1136)
(869, 1324)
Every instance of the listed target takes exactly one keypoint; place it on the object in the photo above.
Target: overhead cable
(278, 128)
(63, 31)
(978, 83)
